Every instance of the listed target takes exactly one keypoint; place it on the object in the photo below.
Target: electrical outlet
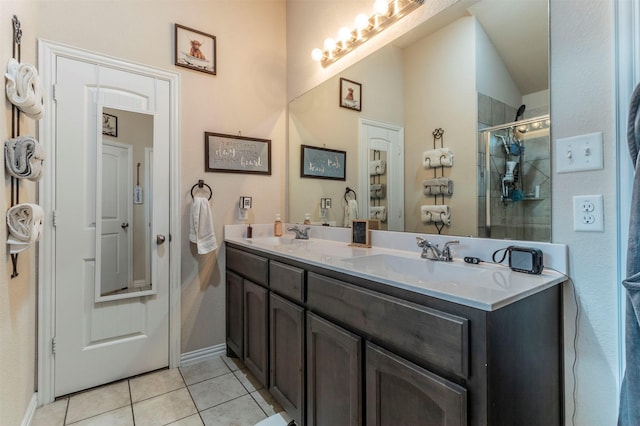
(243, 214)
(588, 213)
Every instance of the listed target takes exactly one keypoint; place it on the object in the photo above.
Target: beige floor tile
(193, 420)
(154, 384)
(241, 411)
(233, 363)
(204, 370)
(267, 402)
(248, 380)
(164, 409)
(51, 414)
(120, 417)
(216, 391)
(98, 401)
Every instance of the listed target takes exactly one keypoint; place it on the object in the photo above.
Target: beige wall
(247, 96)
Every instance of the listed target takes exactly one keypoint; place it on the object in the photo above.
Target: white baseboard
(199, 355)
(31, 410)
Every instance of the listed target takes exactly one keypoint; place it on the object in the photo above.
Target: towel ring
(201, 184)
(355, 196)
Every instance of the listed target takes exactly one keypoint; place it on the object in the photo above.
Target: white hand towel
(378, 191)
(23, 88)
(350, 212)
(378, 212)
(377, 167)
(201, 226)
(24, 223)
(438, 186)
(436, 214)
(24, 156)
(441, 157)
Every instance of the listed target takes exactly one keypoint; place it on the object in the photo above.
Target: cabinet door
(256, 327)
(234, 306)
(286, 343)
(334, 379)
(401, 393)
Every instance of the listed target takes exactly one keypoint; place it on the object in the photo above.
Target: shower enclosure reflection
(124, 200)
(515, 176)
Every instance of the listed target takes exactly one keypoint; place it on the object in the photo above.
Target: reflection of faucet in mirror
(301, 233)
(443, 255)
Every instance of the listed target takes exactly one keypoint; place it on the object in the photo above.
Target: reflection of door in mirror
(382, 174)
(126, 169)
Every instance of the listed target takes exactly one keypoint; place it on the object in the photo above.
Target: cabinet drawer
(414, 330)
(248, 265)
(287, 280)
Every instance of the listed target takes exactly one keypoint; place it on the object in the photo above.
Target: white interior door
(116, 215)
(388, 139)
(99, 342)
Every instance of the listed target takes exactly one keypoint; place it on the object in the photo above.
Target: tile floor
(216, 392)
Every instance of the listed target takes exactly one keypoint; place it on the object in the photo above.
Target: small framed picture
(194, 49)
(360, 234)
(323, 163)
(109, 125)
(350, 94)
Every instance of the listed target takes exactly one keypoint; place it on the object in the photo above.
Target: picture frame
(109, 125)
(350, 94)
(194, 49)
(360, 233)
(322, 163)
(236, 154)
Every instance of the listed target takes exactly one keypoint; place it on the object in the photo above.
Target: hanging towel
(24, 157)
(441, 157)
(23, 88)
(24, 223)
(201, 226)
(629, 409)
(378, 212)
(436, 214)
(378, 191)
(377, 167)
(438, 186)
(350, 212)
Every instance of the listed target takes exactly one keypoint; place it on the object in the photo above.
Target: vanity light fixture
(385, 13)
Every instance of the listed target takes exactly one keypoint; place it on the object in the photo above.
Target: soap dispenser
(277, 227)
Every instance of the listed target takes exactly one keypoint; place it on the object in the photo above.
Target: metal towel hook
(200, 185)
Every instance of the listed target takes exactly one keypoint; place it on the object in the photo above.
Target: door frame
(48, 52)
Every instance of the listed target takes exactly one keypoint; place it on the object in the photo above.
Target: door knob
(160, 239)
(124, 225)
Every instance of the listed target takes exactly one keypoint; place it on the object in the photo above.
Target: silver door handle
(160, 239)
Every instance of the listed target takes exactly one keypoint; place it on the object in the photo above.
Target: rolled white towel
(378, 212)
(438, 186)
(24, 89)
(378, 191)
(377, 167)
(24, 223)
(441, 157)
(436, 214)
(350, 213)
(24, 156)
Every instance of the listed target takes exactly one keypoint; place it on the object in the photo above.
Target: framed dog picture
(194, 49)
(350, 94)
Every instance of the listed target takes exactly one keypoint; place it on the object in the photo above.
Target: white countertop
(486, 286)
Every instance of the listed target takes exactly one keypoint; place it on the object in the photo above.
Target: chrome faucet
(301, 233)
(443, 255)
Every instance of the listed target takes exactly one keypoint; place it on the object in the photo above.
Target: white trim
(199, 355)
(48, 52)
(31, 410)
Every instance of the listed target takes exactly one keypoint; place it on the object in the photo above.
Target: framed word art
(322, 163)
(236, 154)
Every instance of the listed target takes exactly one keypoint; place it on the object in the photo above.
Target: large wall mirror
(124, 200)
(482, 67)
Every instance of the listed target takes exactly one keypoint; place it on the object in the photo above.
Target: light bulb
(329, 44)
(316, 54)
(381, 7)
(344, 35)
(362, 21)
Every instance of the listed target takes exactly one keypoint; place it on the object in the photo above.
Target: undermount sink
(418, 268)
(274, 241)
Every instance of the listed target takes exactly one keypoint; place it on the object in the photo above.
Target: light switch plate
(579, 153)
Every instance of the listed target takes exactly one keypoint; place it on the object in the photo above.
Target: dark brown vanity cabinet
(344, 350)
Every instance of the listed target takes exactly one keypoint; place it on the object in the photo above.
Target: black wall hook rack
(15, 129)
